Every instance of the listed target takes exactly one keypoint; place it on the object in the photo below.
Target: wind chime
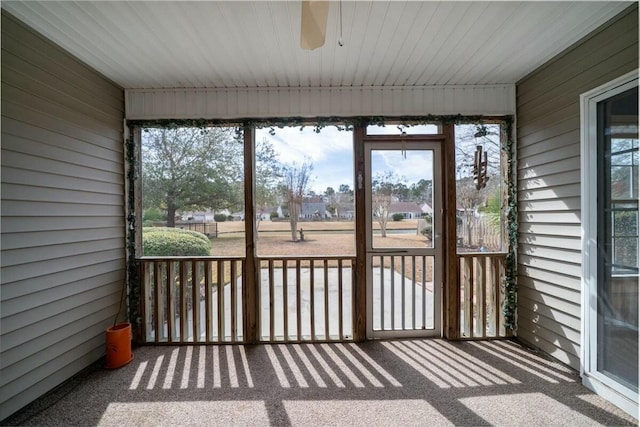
(480, 177)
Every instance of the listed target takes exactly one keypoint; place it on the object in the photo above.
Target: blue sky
(331, 152)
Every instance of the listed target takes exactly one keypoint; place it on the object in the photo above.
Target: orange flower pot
(119, 345)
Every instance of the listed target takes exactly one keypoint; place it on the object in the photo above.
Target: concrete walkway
(411, 307)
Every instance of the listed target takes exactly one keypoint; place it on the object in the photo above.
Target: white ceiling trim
(143, 104)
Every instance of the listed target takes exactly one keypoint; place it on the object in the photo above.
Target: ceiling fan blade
(313, 28)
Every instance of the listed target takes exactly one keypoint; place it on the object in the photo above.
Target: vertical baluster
(152, 275)
(312, 299)
(285, 299)
(495, 295)
(403, 285)
(490, 296)
(326, 299)
(221, 315)
(298, 302)
(241, 285)
(482, 296)
(413, 291)
(195, 300)
(271, 303)
(157, 285)
(381, 290)
(144, 295)
(340, 302)
(234, 301)
(171, 313)
(353, 299)
(424, 292)
(207, 300)
(471, 294)
(465, 276)
(461, 295)
(183, 301)
(393, 293)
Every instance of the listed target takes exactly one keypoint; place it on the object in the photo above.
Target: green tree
(345, 189)
(191, 168)
(422, 191)
(267, 178)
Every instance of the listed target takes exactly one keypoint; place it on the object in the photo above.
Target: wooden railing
(403, 293)
(192, 300)
(199, 300)
(306, 298)
(481, 286)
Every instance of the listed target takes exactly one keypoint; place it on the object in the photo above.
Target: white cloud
(416, 166)
(331, 152)
(294, 145)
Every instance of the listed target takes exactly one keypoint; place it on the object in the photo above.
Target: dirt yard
(320, 239)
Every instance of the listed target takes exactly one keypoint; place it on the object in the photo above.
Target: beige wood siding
(63, 257)
(548, 118)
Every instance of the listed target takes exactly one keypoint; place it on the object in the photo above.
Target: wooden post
(250, 274)
(451, 291)
(360, 282)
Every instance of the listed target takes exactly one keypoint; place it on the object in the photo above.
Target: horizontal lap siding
(62, 215)
(548, 112)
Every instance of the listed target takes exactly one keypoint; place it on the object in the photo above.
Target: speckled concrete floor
(402, 382)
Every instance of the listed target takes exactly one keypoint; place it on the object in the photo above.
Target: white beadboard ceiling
(255, 44)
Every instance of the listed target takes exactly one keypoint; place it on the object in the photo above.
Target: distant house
(410, 210)
(197, 216)
(265, 214)
(426, 208)
(346, 210)
(314, 210)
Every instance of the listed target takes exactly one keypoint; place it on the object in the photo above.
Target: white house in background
(265, 214)
(203, 216)
(197, 216)
(409, 210)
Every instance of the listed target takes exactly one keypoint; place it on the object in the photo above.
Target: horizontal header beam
(239, 103)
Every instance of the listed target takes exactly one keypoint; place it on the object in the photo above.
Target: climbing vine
(133, 277)
(511, 267)
(318, 123)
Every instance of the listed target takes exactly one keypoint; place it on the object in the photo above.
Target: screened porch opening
(254, 234)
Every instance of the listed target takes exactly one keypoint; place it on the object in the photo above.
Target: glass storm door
(617, 288)
(610, 193)
(403, 238)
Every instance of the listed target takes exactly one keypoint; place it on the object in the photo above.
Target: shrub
(397, 217)
(162, 241)
(274, 215)
(230, 218)
(176, 230)
(219, 217)
(427, 231)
